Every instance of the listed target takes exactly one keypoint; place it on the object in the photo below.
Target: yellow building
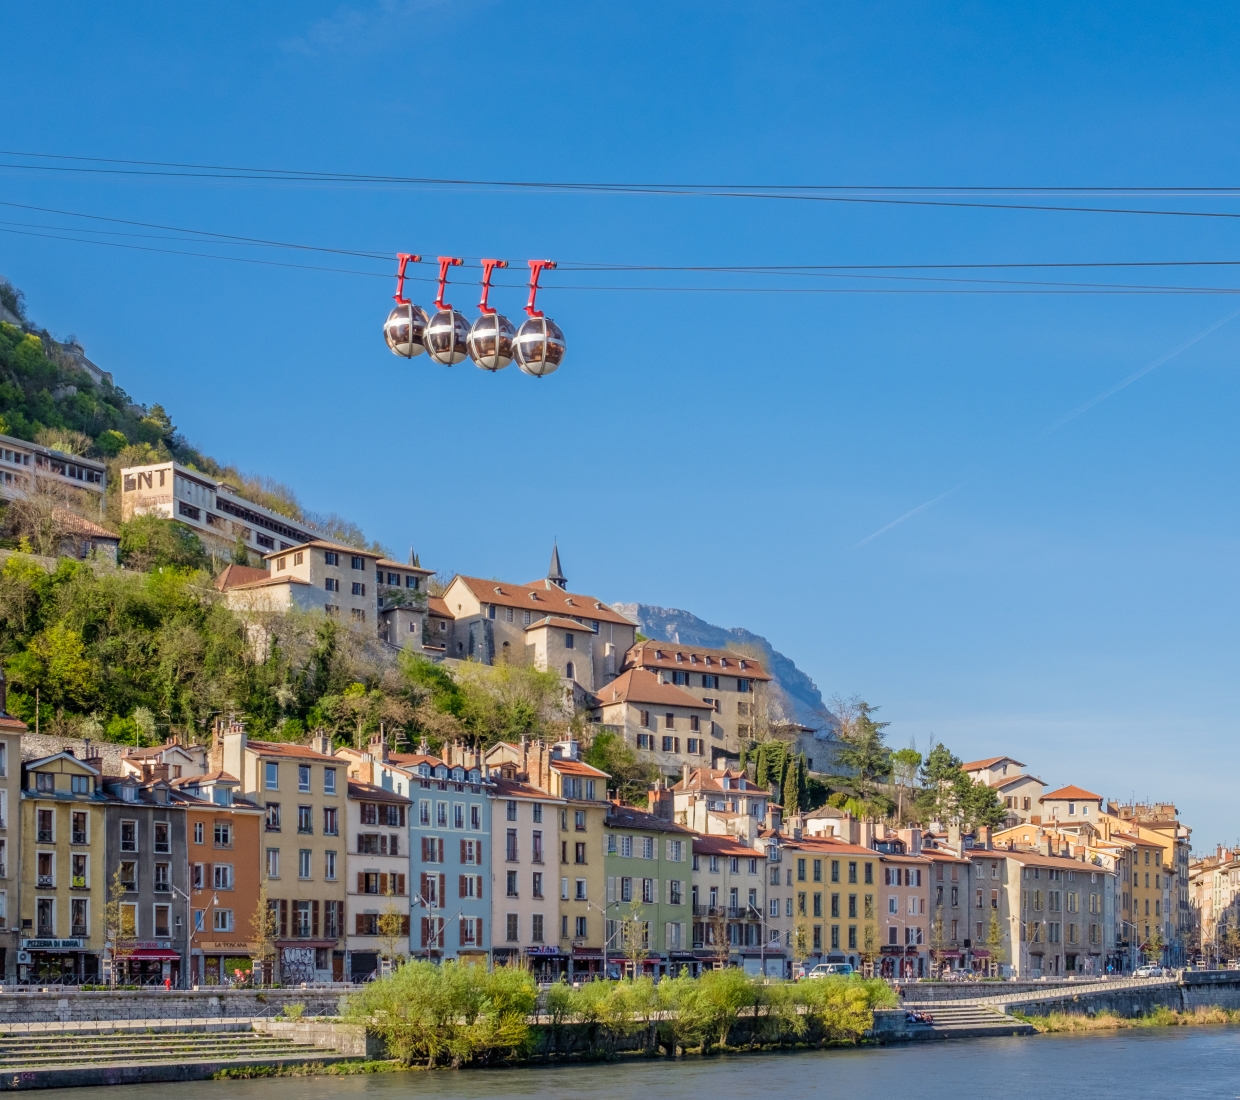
(11, 730)
(302, 790)
(63, 873)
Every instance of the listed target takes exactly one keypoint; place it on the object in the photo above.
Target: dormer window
(693, 658)
(569, 600)
(679, 657)
(658, 654)
(743, 665)
(723, 662)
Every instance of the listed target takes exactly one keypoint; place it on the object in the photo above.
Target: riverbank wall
(79, 1006)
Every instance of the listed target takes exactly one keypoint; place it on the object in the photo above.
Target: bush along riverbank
(1057, 1022)
(458, 1015)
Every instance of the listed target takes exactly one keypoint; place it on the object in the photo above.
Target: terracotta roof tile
(714, 844)
(577, 767)
(324, 544)
(639, 686)
(284, 748)
(1072, 792)
(541, 599)
(981, 765)
(559, 623)
(647, 655)
(234, 575)
(368, 792)
(436, 606)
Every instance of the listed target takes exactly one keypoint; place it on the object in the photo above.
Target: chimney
(659, 802)
(981, 837)
(1044, 844)
(684, 775)
(912, 840)
(953, 837)
(321, 742)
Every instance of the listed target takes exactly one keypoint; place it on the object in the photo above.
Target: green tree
(862, 750)
(904, 763)
(994, 944)
(1154, 946)
(631, 778)
(263, 935)
(152, 542)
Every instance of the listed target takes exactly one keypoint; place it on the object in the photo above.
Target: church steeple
(555, 575)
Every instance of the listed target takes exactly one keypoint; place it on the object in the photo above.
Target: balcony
(45, 836)
(727, 912)
(78, 883)
(78, 837)
(45, 882)
(79, 930)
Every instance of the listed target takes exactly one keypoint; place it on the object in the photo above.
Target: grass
(1057, 1022)
(309, 1069)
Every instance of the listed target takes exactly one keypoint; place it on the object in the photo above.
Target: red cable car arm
(488, 266)
(536, 269)
(404, 259)
(445, 262)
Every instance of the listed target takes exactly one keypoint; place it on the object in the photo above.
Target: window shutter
(361, 923)
(443, 898)
(463, 857)
(314, 919)
(478, 853)
(479, 885)
(422, 887)
(426, 931)
(383, 884)
(424, 848)
(463, 887)
(404, 926)
(284, 917)
(361, 883)
(461, 926)
(478, 931)
(439, 850)
(400, 885)
(611, 888)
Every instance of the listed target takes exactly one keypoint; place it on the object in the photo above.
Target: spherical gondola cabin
(447, 337)
(490, 342)
(404, 328)
(539, 346)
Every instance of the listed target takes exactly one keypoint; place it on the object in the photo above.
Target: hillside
(675, 625)
(51, 394)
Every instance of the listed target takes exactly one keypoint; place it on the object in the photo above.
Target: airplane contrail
(1078, 411)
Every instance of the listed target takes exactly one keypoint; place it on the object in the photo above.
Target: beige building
(1019, 792)
(524, 883)
(663, 724)
(313, 576)
(735, 688)
(215, 512)
(302, 790)
(377, 884)
(542, 623)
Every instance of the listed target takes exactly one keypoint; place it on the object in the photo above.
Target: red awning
(980, 953)
(152, 953)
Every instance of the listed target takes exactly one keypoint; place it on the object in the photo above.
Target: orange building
(224, 834)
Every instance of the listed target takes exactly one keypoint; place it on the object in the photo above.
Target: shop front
(587, 964)
(216, 962)
(60, 961)
(546, 961)
(148, 963)
(770, 964)
(309, 961)
(901, 963)
(679, 961)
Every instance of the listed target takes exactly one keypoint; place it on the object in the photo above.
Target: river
(1148, 1062)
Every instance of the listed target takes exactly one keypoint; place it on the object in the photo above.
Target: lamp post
(603, 909)
(189, 924)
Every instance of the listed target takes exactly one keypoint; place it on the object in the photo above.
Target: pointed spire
(555, 575)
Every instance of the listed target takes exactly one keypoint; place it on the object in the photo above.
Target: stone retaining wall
(72, 1006)
(971, 991)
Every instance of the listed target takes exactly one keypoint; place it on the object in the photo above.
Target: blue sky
(1073, 602)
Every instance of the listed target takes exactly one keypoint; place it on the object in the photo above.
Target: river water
(1166, 1063)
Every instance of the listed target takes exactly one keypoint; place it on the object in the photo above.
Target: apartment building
(952, 915)
(723, 801)
(224, 841)
(831, 894)
(904, 906)
(23, 463)
(648, 864)
(577, 635)
(401, 603)
(215, 512)
(145, 841)
(733, 686)
(451, 851)
(64, 884)
(11, 730)
(728, 898)
(1159, 822)
(377, 883)
(302, 792)
(663, 724)
(523, 885)
(313, 576)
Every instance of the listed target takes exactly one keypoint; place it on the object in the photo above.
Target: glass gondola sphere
(403, 329)
(446, 337)
(539, 346)
(490, 341)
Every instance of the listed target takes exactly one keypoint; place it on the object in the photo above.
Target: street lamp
(189, 924)
(603, 909)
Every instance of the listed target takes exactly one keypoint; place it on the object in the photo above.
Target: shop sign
(546, 949)
(76, 944)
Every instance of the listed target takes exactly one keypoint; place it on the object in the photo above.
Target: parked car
(823, 970)
(1149, 971)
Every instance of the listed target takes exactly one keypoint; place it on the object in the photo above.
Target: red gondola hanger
(445, 262)
(404, 259)
(536, 269)
(488, 268)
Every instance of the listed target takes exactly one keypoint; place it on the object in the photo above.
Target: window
(163, 920)
(581, 890)
(329, 868)
(44, 782)
(359, 589)
(580, 853)
(358, 562)
(536, 921)
(271, 773)
(78, 833)
(568, 641)
(222, 920)
(536, 887)
(79, 923)
(162, 878)
(331, 584)
(80, 784)
(304, 857)
(579, 820)
(129, 836)
(198, 832)
(273, 862)
(511, 929)
(669, 722)
(581, 928)
(222, 876)
(742, 685)
(512, 884)
(273, 817)
(329, 781)
(305, 819)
